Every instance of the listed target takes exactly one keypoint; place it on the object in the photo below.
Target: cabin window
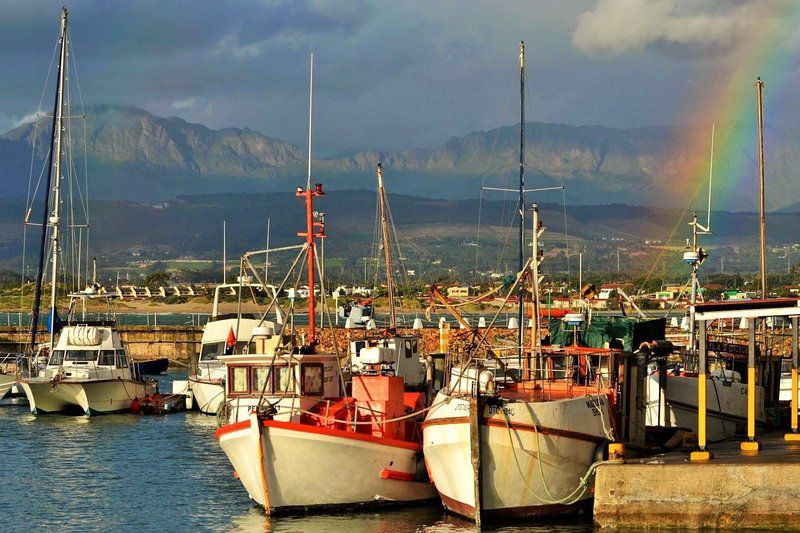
(81, 355)
(261, 379)
(239, 379)
(122, 361)
(212, 350)
(283, 379)
(408, 349)
(106, 358)
(312, 376)
(57, 358)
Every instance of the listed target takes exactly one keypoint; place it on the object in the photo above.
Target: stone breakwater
(179, 343)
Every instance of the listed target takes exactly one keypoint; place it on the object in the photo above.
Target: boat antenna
(695, 255)
(310, 106)
(53, 178)
(761, 194)
(387, 252)
(314, 228)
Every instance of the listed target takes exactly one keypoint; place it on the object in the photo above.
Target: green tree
(159, 278)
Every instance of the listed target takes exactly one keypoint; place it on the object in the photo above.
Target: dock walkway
(759, 490)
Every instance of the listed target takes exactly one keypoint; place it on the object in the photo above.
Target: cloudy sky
(388, 74)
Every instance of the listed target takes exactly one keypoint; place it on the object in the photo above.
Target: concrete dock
(734, 489)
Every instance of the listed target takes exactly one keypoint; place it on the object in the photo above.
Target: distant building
(459, 292)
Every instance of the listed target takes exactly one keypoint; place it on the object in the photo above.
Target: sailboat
(84, 366)
(519, 434)
(294, 436)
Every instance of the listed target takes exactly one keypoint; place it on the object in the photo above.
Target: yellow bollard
(701, 454)
(794, 436)
(751, 444)
(616, 452)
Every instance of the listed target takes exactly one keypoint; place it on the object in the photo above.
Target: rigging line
(84, 202)
(566, 234)
(671, 236)
(478, 236)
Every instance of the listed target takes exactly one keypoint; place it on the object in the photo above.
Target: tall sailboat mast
(761, 193)
(387, 251)
(521, 201)
(53, 178)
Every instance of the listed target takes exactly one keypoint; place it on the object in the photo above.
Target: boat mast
(54, 178)
(311, 225)
(521, 201)
(696, 255)
(763, 217)
(387, 252)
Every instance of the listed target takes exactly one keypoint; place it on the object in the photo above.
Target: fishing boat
(286, 403)
(518, 431)
(223, 334)
(84, 367)
(294, 436)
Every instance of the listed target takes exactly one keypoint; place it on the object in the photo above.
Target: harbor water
(161, 473)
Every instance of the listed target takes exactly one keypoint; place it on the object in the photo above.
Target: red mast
(314, 229)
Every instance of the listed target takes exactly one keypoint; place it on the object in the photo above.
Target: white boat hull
(533, 455)
(286, 469)
(208, 395)
(726, 405)
(7, 382)
(90, 396)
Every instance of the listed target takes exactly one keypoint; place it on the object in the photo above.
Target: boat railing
(552, 370)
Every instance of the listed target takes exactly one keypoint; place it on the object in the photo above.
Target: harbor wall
(180, 342)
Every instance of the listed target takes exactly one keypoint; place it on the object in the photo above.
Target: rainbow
(730, 102)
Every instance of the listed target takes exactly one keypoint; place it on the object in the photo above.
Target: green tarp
(602, 329)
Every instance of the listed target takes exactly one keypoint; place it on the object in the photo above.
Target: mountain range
(134, 155)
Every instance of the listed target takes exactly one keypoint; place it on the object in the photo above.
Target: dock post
(475, 412)
(794, 436)
(751, 444)
(701, 454)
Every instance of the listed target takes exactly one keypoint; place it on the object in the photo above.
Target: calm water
(156, 473)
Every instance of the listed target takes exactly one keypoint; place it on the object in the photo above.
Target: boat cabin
(91, 350)
(404, 358)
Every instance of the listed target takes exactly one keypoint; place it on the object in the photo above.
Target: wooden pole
(475, 407)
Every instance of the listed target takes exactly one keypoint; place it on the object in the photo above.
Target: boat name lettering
(594, 404)
(496, 410)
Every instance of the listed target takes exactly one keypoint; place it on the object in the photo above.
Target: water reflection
(157, 473)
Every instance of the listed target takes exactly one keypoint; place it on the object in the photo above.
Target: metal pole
(266, 258)
(53, 164)
(521, 201)
(224, 252)
(762, 218)
(702, 454)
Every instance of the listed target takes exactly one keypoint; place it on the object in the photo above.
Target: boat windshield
(212, 350)
(80, 355)
(57, 358)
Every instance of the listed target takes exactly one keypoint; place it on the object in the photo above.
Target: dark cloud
(388, 74)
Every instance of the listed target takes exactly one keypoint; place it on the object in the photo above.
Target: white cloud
(17, 122)
(186, 103)
(615, 27)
